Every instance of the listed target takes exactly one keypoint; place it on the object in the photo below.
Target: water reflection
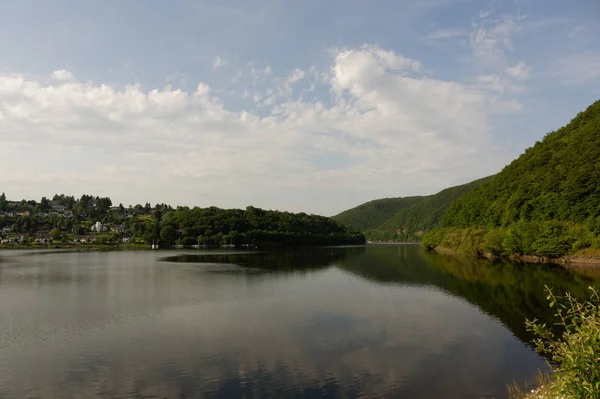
(335, 322)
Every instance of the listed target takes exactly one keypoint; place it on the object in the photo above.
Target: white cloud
(519, 71)
(219, 62)
(491, 37)
(385, 123)
(578, 69)
(62, 75)
(511, 80)
(445, 34)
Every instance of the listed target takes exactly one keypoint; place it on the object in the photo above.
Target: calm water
(380, 321)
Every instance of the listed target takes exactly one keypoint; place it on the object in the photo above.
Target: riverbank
(82, 247)
(584, 258)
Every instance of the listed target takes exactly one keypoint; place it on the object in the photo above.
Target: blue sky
(311, 106)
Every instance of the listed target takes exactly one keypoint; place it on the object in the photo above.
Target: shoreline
(572, 261)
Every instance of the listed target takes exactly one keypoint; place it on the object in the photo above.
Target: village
(26, 223)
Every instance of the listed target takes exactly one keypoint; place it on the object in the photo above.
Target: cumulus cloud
(386, 130)
(62, 75)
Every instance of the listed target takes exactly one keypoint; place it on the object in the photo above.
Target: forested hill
(545, 203)
(68, 220)
(372, 214)
(556, 179)
(403, 219)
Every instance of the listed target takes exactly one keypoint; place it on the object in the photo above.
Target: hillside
(90, 219)
(402, 219)
(546, 203)
(372, 214)
(556, 179)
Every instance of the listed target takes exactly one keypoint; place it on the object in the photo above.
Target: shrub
(492, 241)
(577, 351)
(553, 240)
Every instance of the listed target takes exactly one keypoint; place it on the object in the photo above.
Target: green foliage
(557, 179)
(168, 235)
(370, 215)
(55, 234)
(493, 242)
(545, 203)
(402, 219)
(576, 350)
(549, 239)
(167, 226)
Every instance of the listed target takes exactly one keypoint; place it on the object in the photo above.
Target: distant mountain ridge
(404, 218)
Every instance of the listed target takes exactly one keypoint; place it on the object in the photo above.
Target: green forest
(545, 203)
(90, 219)
(403, 219)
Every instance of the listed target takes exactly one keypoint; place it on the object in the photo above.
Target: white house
(6, 229)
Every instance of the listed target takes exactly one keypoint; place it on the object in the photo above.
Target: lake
(374, 321)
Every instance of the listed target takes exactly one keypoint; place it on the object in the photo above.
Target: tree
(55, 234)
(3, 202)
(168, 235)
(45, 205)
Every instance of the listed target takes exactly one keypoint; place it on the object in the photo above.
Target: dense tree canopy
(556, 179)
(65, 217)
(403, 219)
(545, 203)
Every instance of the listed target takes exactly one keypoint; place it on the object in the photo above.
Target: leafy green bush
(577, 350)
(493, 241)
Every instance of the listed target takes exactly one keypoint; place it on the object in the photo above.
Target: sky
(306, 106)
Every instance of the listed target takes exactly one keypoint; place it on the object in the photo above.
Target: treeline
(545, 203)
(548, 239)
(253, 226)
(65, 218)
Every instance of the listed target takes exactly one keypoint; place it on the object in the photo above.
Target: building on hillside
(6, 229)
(68, 214)
(58, 207)
(13, 204)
